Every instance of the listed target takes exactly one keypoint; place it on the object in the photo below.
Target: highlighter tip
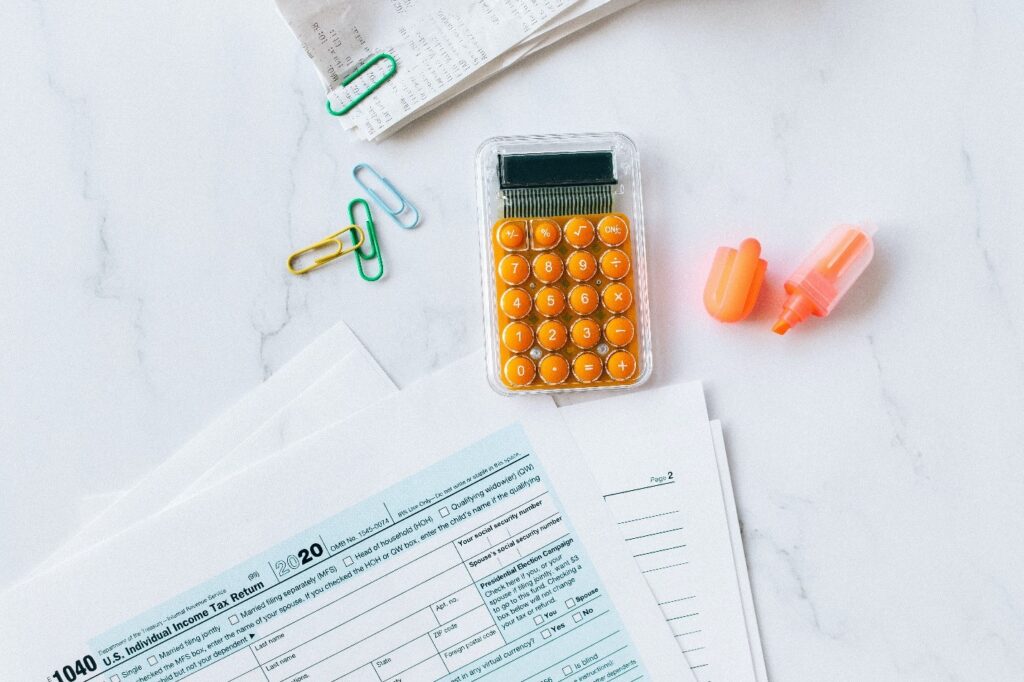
(780, 327)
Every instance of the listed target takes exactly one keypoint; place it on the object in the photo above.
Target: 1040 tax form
(454, 535)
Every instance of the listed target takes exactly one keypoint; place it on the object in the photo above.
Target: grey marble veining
(160, 162)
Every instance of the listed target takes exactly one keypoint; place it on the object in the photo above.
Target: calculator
(564, 266)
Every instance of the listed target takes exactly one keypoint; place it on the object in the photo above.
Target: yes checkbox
(349, 561)
(233, 620)
(577, 617)
(545, 633)
(444, 512)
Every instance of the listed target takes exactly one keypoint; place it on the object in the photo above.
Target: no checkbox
(577, 617)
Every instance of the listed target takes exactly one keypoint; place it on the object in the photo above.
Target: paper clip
(369, 91)
(403, 204)
(334, 243)
(371, 232)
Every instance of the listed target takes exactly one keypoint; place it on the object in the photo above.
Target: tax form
(653, 456)
(397, 550)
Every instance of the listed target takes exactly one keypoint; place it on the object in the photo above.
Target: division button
(614, 264)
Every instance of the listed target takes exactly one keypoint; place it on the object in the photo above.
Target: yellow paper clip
(334, 243)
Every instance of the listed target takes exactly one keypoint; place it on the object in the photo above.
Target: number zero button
(520, 370)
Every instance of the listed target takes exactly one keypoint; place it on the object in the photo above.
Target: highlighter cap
(833, 266)
(734, 281)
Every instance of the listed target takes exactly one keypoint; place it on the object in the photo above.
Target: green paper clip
(369, 91)
(371, 240)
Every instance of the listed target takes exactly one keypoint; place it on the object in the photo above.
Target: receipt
(396, 550)
(436, 44)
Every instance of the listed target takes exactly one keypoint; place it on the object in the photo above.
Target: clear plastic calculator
(564, 268)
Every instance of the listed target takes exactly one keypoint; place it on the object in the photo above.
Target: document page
(659, 477)
(395, 551)
(436, 44)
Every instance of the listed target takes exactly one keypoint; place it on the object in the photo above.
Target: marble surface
(160, 160)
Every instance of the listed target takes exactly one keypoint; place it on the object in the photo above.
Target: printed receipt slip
(497, 560)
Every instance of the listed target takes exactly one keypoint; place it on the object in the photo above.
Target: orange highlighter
(826, 275)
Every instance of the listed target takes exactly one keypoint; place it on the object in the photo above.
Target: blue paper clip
(403, 204)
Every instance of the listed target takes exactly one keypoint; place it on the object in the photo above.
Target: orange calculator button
(550, 301)
(517, 337)
(585, 333)
(554, 369)
(519, 370)
(614, 264)
(579, 232)
(515, 303)
(552, 335)
(513, 269)
(512, 234)
(621, 365)
(583, 299)
(546, 234)
(617, 297)
(619, 331)
(587, 367)
(612, 230)
(582, 265)
(548, 268)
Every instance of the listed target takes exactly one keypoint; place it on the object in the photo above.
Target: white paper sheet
(91, 605)
(654, 459)
(739, 555)
(186, 465)
(437, 45)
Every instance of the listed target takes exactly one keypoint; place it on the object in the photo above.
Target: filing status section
(469, 570)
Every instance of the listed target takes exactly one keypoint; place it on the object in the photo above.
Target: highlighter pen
(826, 275)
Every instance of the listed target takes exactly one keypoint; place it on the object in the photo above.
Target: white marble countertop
(161, 159)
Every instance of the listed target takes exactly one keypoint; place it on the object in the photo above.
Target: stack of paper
(442, 48)
(441, 532)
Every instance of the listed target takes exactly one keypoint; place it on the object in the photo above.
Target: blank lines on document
(651, 520)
